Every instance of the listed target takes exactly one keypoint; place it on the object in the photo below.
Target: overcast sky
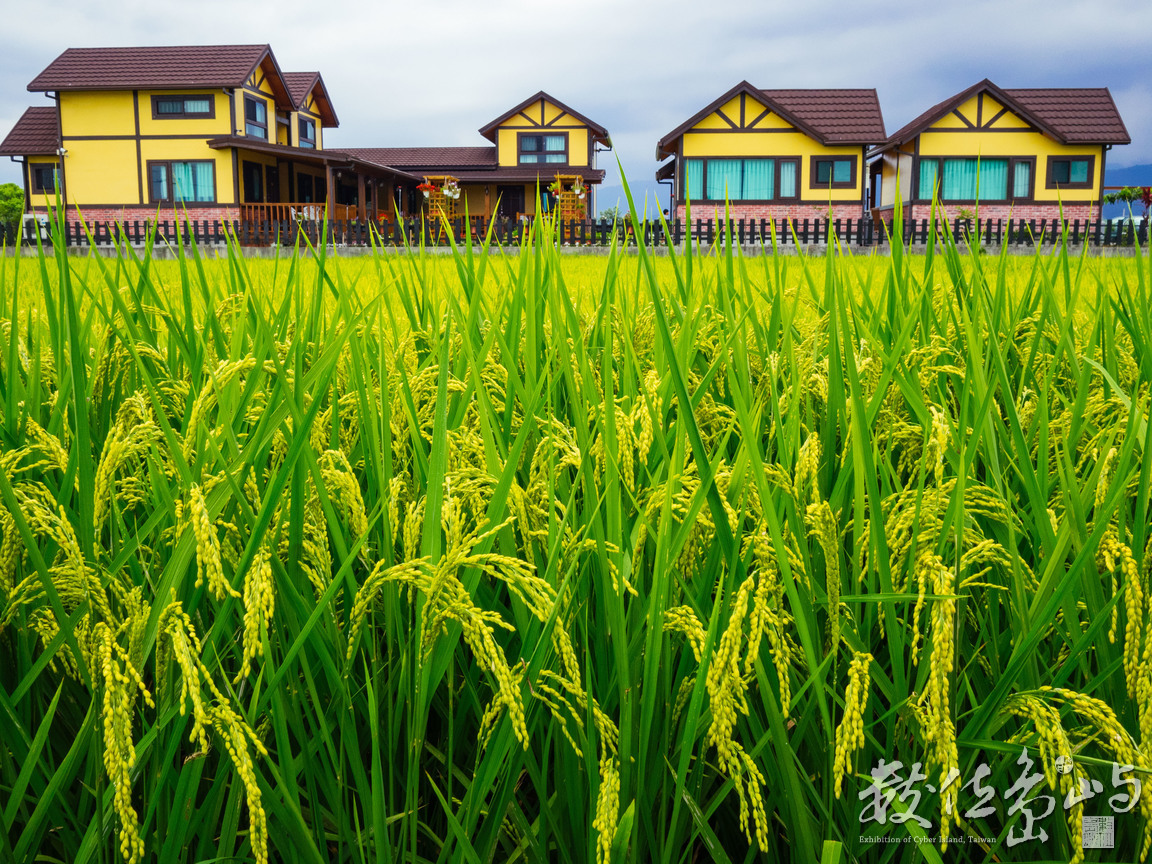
(434, 72)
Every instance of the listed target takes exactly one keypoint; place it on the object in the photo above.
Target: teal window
(758, 179)
(964, 179)
(694, 178)
(993, 180)
(959, 180)
(194, 181)
(970, 179)
(535, 149)
(255, 118)
(180, 107)
(1022, 179)
(724, 180)
(740, 179)
(1071, 173)
(307, 133)
(834, 173)
(182, 182)
(928, 171)
(788, 171)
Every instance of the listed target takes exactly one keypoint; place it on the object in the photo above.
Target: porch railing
(298, 212)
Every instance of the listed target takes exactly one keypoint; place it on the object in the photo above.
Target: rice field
(532, 557)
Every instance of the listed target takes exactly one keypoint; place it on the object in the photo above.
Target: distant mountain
(1133, 175)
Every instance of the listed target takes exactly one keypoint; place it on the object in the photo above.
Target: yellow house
(532, 145)
(773, 154)
(1002, 153)
(217, 130)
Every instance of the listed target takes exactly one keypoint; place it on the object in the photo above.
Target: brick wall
(228, 212)
(1007, 211)
(797, 212)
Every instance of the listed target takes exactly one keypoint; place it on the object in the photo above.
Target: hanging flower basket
(426, 188)
(452, 190)
(579, 189)
(556, 188)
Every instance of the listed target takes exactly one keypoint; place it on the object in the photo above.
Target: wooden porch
(301, 212)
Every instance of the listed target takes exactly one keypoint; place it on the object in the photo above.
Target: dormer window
(255, 118)
(543, 148)
(307, 133)
(201, 105)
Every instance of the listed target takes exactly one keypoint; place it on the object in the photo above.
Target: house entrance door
(511, 201)
(272, 183)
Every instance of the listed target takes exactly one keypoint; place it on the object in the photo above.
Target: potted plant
(451, 189)
(426, 188)
(579, 188)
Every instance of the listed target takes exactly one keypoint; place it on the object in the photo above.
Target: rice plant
(515, 556)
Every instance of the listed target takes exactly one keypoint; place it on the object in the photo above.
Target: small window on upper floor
(307, 133)
(255, 118)
(543, 148)
(200, 105)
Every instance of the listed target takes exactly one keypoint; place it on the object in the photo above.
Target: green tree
(11, 205)
(1132, 195)
(612, 214)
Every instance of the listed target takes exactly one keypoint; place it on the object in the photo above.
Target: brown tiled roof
(469, 164)
(1070, 115)
(829, 116)
(409, 158)
(184, 66)
(127, 68)
(836, 116)
(1085, 115)
(300, 84)
(35, 134)
(335, 158)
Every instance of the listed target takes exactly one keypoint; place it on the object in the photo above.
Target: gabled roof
(184, 67)
(599, 133)
(830, 116)
(301, 84)
(1069, 115)
(36, 133)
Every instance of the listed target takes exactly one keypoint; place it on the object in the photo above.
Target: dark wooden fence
(576, 233)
